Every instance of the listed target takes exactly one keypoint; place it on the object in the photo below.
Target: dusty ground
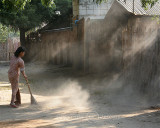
(68, 99)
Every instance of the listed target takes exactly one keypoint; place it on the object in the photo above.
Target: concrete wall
(104, 39)
(90, 9)
(141, 54)
(129, 47)
(122, 43)
(64, 47)
(90, 44)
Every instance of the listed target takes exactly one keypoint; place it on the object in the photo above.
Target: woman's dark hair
(18, 51)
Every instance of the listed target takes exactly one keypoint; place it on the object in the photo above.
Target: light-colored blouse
(16, 65)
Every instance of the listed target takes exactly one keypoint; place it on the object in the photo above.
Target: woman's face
(22, 54)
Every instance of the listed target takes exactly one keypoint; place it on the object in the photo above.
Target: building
(89, 9)
(123, 40)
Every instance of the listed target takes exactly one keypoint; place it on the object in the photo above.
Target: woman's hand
(26, 77)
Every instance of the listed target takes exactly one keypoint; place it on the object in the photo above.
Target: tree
(16, 5)
(148, 3)
(64, 19)
(6, 32)
(33, 15)
(3, 33)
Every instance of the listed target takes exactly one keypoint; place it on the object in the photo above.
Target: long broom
(33, 100)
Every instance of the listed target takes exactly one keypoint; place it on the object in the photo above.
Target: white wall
(89, 9)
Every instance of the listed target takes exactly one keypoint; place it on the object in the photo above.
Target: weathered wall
(104, 40)
(141, 54)
(127, 45)
(122, 43)
(94, 45)
(63, 47)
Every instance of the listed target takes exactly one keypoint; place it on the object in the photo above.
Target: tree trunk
(22, 37)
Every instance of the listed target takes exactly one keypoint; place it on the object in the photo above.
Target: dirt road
(69, 99)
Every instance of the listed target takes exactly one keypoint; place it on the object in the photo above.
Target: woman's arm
(24, 75)
(22, 69)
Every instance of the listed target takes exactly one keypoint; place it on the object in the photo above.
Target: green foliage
(30, 17)
(3, 33)
(16, 5)
(64, 19)
(34, 14)
(148, 3)
(12, 5)
(6, 32)
(63, 5)
(48, 3)
(157, 18)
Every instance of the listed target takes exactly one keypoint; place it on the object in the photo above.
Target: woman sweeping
(16, 66)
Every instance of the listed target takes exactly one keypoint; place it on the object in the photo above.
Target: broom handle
(29, 87)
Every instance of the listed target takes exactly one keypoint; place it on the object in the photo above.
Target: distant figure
(16, 66)
(76, 22)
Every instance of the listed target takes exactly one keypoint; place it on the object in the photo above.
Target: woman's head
(20, 52)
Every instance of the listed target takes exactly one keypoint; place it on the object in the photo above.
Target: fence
(8, 48)
(139, 7)
(3, 51)
(59, 46)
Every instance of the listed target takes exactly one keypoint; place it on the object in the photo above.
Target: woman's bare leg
(14, 92)
(14, 86)
(18, 98)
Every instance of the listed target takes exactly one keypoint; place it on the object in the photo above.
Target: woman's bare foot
(13, 105)
(17, 103)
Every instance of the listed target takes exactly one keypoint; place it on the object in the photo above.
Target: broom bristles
(33, 100)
